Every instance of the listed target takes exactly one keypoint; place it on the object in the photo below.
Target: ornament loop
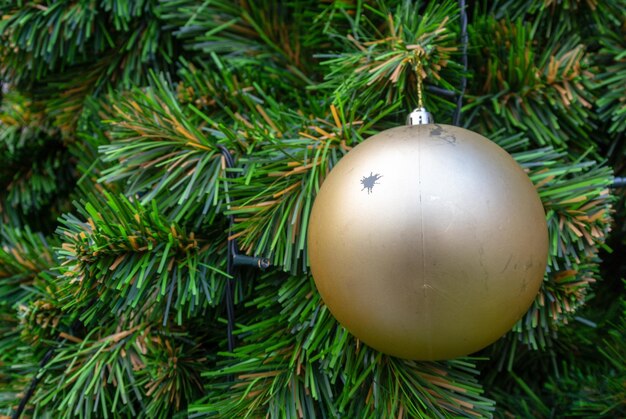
(420, 79)
(420, 115)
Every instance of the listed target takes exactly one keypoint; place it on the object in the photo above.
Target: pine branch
(578, 210)
(23, 256)
(539, 90)
(63, 96)
(172, 377)
(170, 362)
(610, 82)
(42, 40)
(91, 134)
(556, 382)
(385, 49)
(272, 199)
(35, 174)
(578, 207)
(26, 259)
(136, 264)
(550, 17)
(275, 37)
(161, 154)
(119, 372)
(331, 373)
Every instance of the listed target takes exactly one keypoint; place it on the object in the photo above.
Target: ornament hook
(420, 115)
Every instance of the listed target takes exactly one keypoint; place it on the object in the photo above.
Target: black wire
(33, 385)
(456, 120)
(230, 302)
(230, 268)
(42, 364)
(441, 92)
(619, 182)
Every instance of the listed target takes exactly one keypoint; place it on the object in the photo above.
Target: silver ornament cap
(420, 116)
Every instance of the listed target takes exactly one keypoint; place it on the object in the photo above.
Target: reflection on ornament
(428, 242)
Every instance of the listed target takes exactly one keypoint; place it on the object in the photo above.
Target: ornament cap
(420, 116)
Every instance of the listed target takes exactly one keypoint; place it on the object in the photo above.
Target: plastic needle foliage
(119, 209)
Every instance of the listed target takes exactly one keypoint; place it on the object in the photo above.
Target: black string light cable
(619, 182)
(456, 120)
(235, 260)
(41, 371)
(33, 384)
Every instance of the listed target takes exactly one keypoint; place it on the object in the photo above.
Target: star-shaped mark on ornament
(369, 181)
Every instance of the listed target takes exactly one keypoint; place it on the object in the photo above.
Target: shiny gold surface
(428, 242)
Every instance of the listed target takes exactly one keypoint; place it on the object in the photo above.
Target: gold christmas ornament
(428, 241)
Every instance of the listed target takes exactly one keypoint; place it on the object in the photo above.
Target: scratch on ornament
(438, 131)
(369, 181)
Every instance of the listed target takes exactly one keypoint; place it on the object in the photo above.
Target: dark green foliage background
(115, 201)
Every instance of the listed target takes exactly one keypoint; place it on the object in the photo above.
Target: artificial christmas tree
(144, 144)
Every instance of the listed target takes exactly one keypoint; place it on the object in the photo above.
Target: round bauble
(428, 242)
